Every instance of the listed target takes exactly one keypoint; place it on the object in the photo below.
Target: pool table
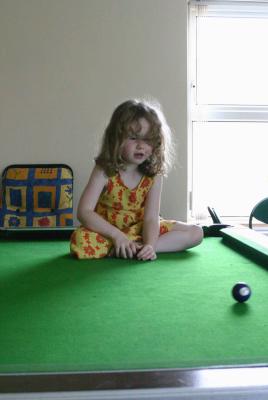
(124, 328)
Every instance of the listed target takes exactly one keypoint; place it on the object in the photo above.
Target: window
(228, 105)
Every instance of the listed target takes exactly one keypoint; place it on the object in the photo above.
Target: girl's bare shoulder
(98, 173)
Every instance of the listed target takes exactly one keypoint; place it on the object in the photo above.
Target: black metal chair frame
(260, 212)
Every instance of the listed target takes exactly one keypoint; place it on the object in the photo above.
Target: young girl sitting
(119, 208)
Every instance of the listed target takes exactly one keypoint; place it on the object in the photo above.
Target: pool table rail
(203, 378)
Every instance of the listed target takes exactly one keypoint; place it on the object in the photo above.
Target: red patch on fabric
(163, 229)
(132, 197)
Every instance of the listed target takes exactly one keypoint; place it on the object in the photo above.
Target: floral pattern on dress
(122, 207)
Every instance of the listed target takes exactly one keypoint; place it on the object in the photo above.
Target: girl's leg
(182, 236)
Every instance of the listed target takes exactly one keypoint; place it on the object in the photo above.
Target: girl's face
(137, 147)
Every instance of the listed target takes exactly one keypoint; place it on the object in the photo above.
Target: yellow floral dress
(123, 208)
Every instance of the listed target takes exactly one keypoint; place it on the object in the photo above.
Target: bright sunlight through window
(228, 105)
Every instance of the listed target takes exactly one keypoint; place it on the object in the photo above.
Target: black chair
(260, 212)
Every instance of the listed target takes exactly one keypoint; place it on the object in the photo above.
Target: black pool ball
(241, 292)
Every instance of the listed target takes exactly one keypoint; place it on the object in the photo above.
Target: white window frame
(212, 113)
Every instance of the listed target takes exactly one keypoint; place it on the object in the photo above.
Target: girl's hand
(123, 247)
(147, 253)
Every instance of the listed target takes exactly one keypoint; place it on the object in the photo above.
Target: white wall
(66, 64)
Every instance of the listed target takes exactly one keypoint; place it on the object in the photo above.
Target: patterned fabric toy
(36, 195)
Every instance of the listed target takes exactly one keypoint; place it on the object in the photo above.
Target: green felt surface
(60, 314)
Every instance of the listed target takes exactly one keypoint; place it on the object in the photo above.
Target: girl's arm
(87, 203)
(151, 222)
(91, 220)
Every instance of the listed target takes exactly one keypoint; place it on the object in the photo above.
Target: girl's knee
(197, 234)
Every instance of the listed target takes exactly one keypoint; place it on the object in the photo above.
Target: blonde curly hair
(118, 129)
